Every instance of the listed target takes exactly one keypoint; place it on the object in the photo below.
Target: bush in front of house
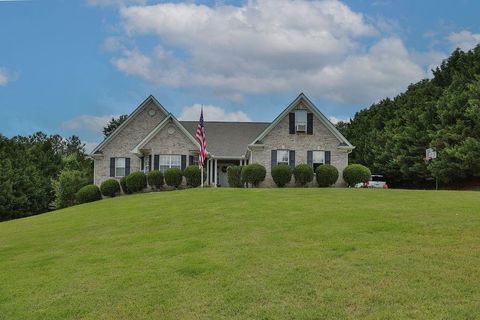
(155, 179)
(123, 184)
(303, 174)
(66, 186)
(356, 173)
(89, 193)
(281, 174)
(110, 188)
(253, 173)
(193, 175)
(234, 176)
(136, 181)
(326, 175)
(173, 177)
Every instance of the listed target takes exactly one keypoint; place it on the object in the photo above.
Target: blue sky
(67, 66)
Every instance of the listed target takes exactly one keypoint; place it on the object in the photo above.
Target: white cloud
(336, 120)
(6, 77)
(90, 123)
(104, 3)
(264, 47)
(464, 40)
(212, 113)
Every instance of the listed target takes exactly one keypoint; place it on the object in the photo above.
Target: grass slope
(239, 254)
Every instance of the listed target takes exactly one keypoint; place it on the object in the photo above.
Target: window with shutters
(283, 157)
(318, 159)
(119, 167)
(301, 120)
(170, 161)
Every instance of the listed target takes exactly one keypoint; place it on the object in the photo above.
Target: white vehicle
(377, 181)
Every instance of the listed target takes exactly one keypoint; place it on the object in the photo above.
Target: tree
(113, 125)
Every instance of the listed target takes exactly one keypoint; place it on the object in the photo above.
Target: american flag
(202, 139)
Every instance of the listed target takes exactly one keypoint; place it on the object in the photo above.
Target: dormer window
(300, 120)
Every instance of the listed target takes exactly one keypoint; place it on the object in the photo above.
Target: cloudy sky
(67, 66)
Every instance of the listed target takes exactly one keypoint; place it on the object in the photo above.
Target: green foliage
(253, 174)
(155, 179)
(234, 176)
(113, 125)
(303, 174)
(443, 112)
(123, 184)
(136, 181)
(356, 173)
(110, 188)
(281, 174)
(193, 175)
(89, 193)
(173, 177)
(66, 186)
(326, 175)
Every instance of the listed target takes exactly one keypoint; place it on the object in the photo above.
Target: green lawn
(247, 254)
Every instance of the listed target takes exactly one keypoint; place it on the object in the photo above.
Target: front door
(222, 175)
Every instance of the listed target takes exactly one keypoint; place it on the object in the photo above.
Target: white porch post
(216, 175)
(208, 170)
(211, 173)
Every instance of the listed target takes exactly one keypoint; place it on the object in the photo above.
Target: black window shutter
(328, 157)
(291, 123)
(184, 162)
(127, 166)
(150, 162)
(292, 159)
(156, 162)
(190, 160)
(112, 167)
(310, 158)
(274, 157)
(142, 163)
(309, 123)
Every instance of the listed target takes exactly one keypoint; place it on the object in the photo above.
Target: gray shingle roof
(228, 139)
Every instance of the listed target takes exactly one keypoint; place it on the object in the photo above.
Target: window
(119, 167)
(318, 159)
(300, 120)
(170, 161)
(282, 157)
(195, 160)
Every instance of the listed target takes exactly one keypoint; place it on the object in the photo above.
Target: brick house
(153, 139)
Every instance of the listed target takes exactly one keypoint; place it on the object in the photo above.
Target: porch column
(215, 170)
(211, 172)
(208, 170)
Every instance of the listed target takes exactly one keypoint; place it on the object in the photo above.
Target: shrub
(136, 181)
(234, 176)
(66, 186)
(89, 193)
(110, 188)
(356, 173)
(253, 173)
(326, 175)
(193, 175)
(155, 179)
(303, 174)
(281, 174)
(173, 177)
(123, 184)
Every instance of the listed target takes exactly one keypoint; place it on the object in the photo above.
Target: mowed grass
(247, 254)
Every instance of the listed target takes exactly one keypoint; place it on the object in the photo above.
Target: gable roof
(344, 143)
(227, 139)
(142, 105)
(170, 118)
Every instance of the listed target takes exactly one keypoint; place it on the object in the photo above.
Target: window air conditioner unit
(301, 127)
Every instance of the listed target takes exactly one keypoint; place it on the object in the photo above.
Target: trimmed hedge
(173, 177)
(234, 176)
(281, 174)
(326, 175)
(303, 174)
(253, 173)
(110, 188)
(136, 181)
(89, 193)
(123, 184)
(155, 179)
(193, 175)
(356, 173)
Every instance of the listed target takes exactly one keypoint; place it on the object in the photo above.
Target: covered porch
(216, 169)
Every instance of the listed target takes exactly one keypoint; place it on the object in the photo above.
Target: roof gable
(138, 110)
(343, 142)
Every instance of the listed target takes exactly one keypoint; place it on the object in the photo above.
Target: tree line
(441, 113)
